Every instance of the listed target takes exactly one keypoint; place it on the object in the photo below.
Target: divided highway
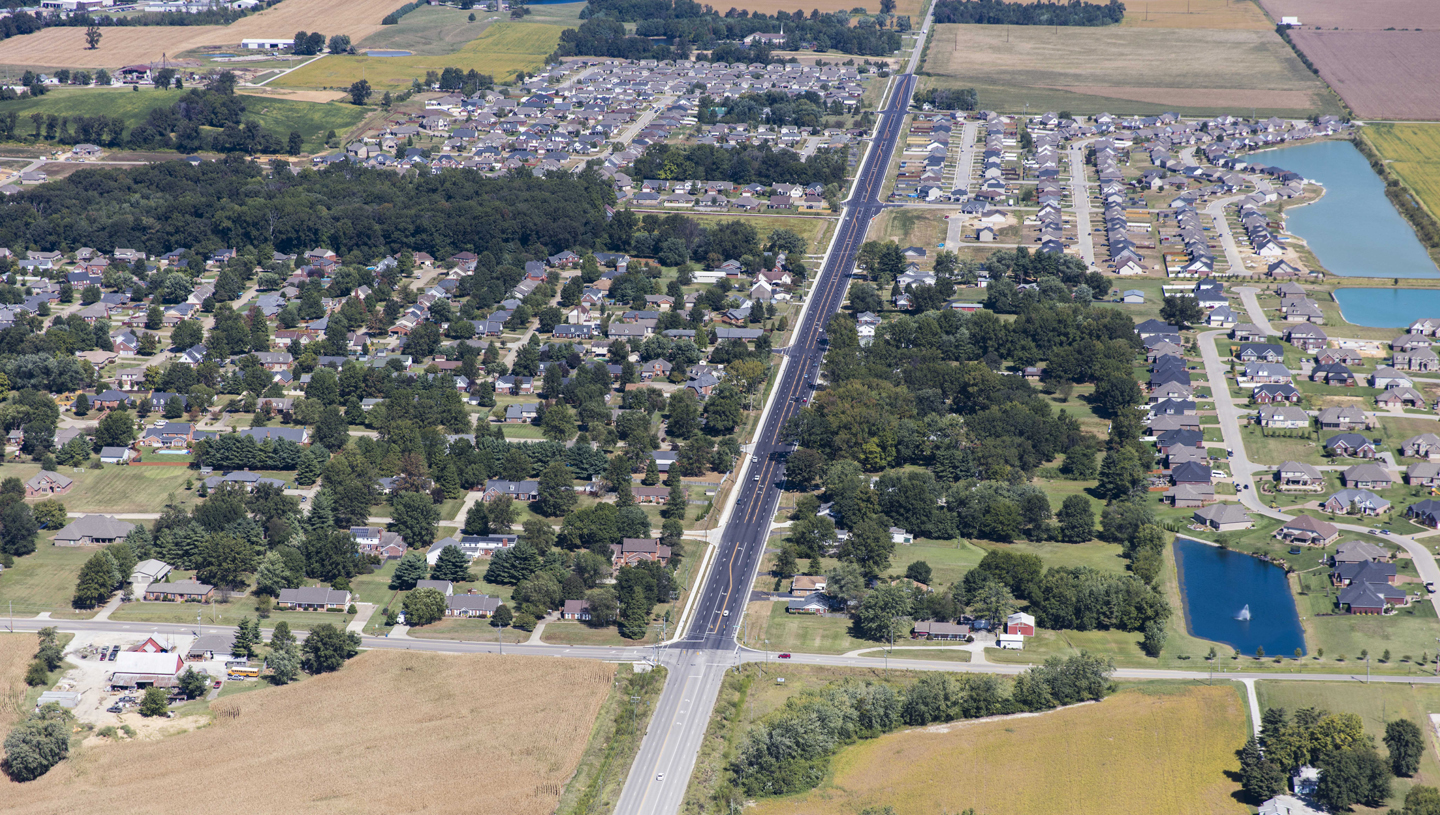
(697, 660)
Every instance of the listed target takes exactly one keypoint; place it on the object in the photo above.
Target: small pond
(1387, 308)
(388, 53)
(1218, 586)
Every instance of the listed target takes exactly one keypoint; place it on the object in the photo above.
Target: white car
(1218, 474)
(659, 776)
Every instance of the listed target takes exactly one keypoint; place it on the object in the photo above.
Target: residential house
(1293, 476)
(1305, 529)
(1401, 396)
(1425, 513)
(1423, 474)
(181, 591)
(1284, 415)
(1344, 418)
(93, 530)
(1223, 517)
(1349, 445)
(517, 490)
(313, 598)
(471, 605)
(1260, 352)
(1368, 476)
(1355, 502)
(1425, 445)
(575, 610)
(804, 585)
(46, 484)
(631, 551)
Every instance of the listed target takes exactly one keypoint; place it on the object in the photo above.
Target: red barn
(1020, 623)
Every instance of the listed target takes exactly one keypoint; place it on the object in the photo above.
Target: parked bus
(244, 672)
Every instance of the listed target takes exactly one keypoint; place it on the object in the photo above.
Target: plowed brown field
(1379, 74)
(1366, 15)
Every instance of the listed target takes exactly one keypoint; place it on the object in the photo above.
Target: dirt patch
(1199, 97)
(152, 729)
(1379, 74)
(1365, 15)
(299, 96)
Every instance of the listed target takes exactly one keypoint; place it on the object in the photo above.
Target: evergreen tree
(96, 582)
(452, 565)
(322, 512)
(273, 575)
(1076, 519)
(307, 472)
(408, 571)
(510, 566)
(1260, 779)
(652, 473)
(82, 405)
(449, 481)
(676, 503)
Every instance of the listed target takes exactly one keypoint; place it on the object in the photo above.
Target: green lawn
(224, 614)
(118, 489)
(570, 632)
(469, 630)
(948, 560)
(278, 116)
(44, 581)
(929, 652)
(1275, 450)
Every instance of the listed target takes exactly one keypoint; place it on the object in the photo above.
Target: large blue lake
(1215, 584)
(1353, 229)
(1387, 308)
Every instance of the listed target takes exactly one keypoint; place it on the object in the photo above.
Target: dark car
(114, 709)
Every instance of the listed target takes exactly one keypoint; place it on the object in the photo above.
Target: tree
(82, 405)
(884, 612)
(676, 502)
(193, 684)
(155, 703)
(919, 571)
(424, 606)
(225, 561)
(1421, 800)
(1355, 775)
(1406, 744)
(1120, 474)
(294, 143)
(477, 520)
(340, 44)
(415, 517)
(307, 471)
(451, 565)
(38, 743)
(96, 582)
(1182, 311)
(1077, 519)
(1116, 393)
(1260, 778)
(327, 648)
(117, 429)
(247, 638)
(604, 606)
(556, 491)
(559, 422)
(411, 569)
(92, 36)
(1154, 641)
(284, 661)
(502, 617)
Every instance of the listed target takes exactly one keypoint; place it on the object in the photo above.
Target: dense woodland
(1001, 12)
(742, 165)
(362, 214)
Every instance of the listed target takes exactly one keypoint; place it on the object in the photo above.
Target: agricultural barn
(266, 45)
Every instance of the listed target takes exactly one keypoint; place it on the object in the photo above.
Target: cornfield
(391, 732)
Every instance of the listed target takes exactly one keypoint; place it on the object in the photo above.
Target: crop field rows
(1413, 152)
(1379, 74)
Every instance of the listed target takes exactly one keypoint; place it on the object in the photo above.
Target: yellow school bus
(243, 672)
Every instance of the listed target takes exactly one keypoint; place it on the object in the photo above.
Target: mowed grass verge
(500, 51)
(1413, 152)
(519, 746)
(1169, 746)
(279, 116)
(1055, 70)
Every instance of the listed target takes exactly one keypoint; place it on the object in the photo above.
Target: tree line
(755, 164)
(789, 751)
(1001, 12)
(947, 98)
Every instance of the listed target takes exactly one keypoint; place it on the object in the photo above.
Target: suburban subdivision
(691, 411)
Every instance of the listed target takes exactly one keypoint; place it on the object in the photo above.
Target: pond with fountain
(1236, 599)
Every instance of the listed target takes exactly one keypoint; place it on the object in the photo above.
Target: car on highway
(784, 656)
(725, 613)
(1430, 587)
(659, 776)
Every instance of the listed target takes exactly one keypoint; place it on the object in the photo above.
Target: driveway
(1252, 307)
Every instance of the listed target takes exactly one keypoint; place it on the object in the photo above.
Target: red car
(784, 656)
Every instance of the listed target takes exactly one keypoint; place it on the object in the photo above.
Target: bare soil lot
(1364, 15)
(1379, 74)
(339, 742)
(65, 47)
(1059, 71)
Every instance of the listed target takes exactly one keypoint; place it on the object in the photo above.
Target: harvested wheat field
(1365, 15)
(1379, 74)
(15, 653)
(391, 732)
(1169, 748)
(1010, 66)
(1243, 15)
(65, 47)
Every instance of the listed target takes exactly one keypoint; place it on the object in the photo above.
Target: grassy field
(279, 116)
(468, 630)
(429, 31)
(44, 581)
(815, 228)
(501, 50)
(119, 489)
(570, 632)
(1376, 704)
(65, 47)
(1011, 66)
(809, 633)
(1232, 14)
(1115, 750)
(1413, 152)
(530, 743)
(15, 653)
(924, 228)
(223, 614)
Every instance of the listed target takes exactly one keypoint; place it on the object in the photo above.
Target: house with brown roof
(181, 591)
(633, 551)
(48, 484)
(1307, 530)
